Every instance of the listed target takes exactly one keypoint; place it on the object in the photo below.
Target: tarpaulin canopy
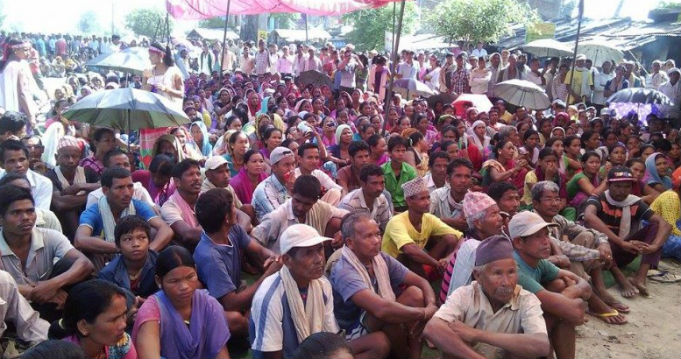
(204, 9)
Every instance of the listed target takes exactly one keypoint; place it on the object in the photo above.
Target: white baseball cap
(300, 235)
(526, 223)
(215, 162)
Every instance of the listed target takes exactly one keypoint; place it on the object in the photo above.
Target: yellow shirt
(506, 117)
(530, 181)
(667, 205)
(400, 232)
(577, 84)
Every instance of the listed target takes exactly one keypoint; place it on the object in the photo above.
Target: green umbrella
(127, 109)
(131, 60)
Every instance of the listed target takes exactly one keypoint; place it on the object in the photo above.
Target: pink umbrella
(481, 102)
(204, 9)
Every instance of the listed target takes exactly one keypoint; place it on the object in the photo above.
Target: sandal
(665, 277)
(614, 313)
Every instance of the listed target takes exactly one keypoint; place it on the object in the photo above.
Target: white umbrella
(598, 51)
(522, 93)
(547, 48)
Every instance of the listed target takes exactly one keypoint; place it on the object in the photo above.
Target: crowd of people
(302, 221)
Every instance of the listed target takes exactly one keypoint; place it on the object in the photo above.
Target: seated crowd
(326, 229)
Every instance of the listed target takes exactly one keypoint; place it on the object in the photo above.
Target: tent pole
(389, 93)
(129, 131)
(224, 42)
(574, 57)
(307, 39)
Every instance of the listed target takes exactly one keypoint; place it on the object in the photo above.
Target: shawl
(385, 290)
(205, 147)
(108, 220)
(653, 176)
(625, 221)
(307, 318)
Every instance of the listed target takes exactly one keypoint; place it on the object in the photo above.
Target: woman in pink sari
(249, 176)
(504, 167)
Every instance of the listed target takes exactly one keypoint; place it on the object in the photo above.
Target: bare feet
(628, 290)
(640, 285)
(612, 302)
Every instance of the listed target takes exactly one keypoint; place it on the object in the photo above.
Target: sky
(49, 16)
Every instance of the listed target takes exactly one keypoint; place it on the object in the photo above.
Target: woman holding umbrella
(163, 78)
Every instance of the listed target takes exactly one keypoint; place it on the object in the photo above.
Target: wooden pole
(389, 93)
(574, 57)
(224, 43)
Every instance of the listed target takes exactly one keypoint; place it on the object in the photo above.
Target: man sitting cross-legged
(563, 294)
(416, 237)
(618, 214)
(493, 317)
(370, 197)
(374, 293)
(447, 202)
(96, 233)
(219, 255)
(587, 251)
(297, 301)
(178, 210)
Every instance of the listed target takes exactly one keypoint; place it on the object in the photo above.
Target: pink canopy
(204, 9)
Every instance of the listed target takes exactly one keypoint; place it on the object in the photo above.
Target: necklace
(135, 276)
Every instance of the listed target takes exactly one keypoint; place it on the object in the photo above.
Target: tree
(284, 20)
(370, 25)
(147, 22)
(213, 23)
(479, 20)
(89, 23)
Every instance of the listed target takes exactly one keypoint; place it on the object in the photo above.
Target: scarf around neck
(108, 220)
(308, 317)
(381, 273)
(79, 177)
(625, 221)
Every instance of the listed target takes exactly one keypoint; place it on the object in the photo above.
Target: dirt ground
(653, 331)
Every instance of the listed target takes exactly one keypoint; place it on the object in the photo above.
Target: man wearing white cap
(581, 87)
(217, 176)
(70, 185)
(563, 294)
(297, 301)
(416, 237)
(493, 317)
(273, 191)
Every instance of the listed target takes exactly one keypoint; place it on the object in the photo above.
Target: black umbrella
(641, 96)
(315, 78)
(445, 98)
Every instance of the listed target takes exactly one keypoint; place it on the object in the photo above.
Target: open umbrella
(522, 93)
(547, 48)
(599, 51)
(642, 101)
(133, 60)
(481, 102)
(126, 109)
(414, 86)
(444, 98)
(315, 78)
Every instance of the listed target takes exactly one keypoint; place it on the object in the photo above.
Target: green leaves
(370, 25)
(479, 20)
(147, 22)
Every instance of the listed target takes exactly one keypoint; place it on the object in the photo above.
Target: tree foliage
(284, 20)
(370, 25)
(213, 23)
(147, 22)
(479, 20)
(89, 23)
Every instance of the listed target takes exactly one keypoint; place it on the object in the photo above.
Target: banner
(148, 137)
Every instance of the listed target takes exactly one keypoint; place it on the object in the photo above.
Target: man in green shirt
(397, 172)
(563, 294)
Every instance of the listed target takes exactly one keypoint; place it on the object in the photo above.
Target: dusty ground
(653, 331)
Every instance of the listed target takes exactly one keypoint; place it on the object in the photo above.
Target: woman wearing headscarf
(657, 172)
(169, 145)
(477, 135)
(201, 138)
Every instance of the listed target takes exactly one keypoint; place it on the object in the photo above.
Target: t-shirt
(531, 278)
(394, 184)
(346, 282)
(611, 215)
(219, 265)
(400, 232)
(93, 219)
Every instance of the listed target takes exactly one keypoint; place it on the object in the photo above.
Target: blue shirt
(268, 195)
(531, 278)
(346, 282)
(219, 265)
(117, 273)
(93, 219)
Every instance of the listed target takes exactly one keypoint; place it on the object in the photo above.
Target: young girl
(640, 188)
(586, 182)
(417, 153)
(237, 146)
(249, 176)
(180, 321)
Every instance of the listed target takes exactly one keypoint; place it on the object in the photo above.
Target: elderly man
(484, 220)
(445, 202)
(272, 192)
(584, 251)
(416, 237)
(618, 214)
(374, 293)
(304, 206)
(370, 197)
(563, 294)
(493, 317)
(297, 301)
(580, 88)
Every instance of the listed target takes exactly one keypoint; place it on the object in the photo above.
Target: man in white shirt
(262, 59)
(600, 80)
(433, 75)
(657, 77)
(284, 63)
(534, 75)
(14, 159)
(298, 61)
(672, 89)
(346, 69)
(407, 69)
(480, 77)
(312, 62)
(494, 67)
(206, 60)
(274, 57)
(308, 163)
(479, 51)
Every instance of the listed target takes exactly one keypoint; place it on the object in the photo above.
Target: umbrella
(481, 102)
(127, 109)
(133, 59)
(599, 51)
(522, 93)
(547, 48)
(413, 85)
(315, 78)
(639, 95)
(444, 98)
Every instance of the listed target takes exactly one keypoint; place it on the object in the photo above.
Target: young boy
(397, 172)
(133, 268)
